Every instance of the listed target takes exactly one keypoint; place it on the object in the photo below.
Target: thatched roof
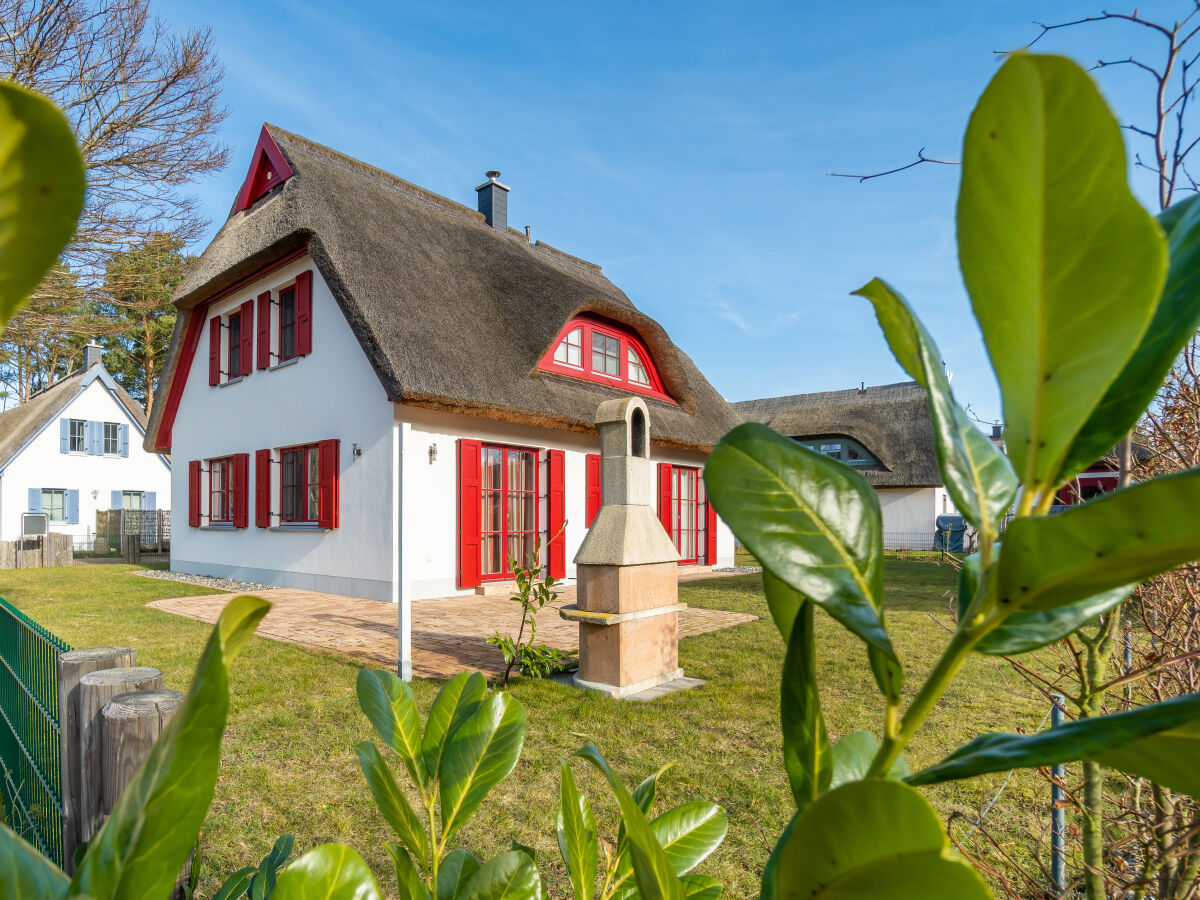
(890, 420)
(21, 423)
(452, 313)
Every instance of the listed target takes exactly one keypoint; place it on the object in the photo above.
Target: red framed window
(220, 490)
(508, 508)
(604, 352)
(287, 324)
(685, 512)
(300, 484)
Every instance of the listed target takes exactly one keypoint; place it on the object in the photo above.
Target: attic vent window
(604, 352)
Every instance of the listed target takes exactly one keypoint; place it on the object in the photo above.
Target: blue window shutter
(116, 500)
(91, 438)
(64, 435)
(124, 440)
(72, 507)
(35, 500)
(148, 500)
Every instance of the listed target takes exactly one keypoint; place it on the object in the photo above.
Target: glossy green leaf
(770, 877)
(235, 885)
(388, 703)
(1025, 631)
(783, 601)
(1160, 742)
(281, 850)
(25, 872)
(643, 795)
(408, 879)
(41, 192)
(874, 840)
(652, 871)
(646, 792)
(1107, 543)
(852, 756)
(509, 876)
(453, 705)
(806, 754)
(1063, 265)
(478, 756)
(139, 851)
(812, 522)
(978, 476)
(702, 887)
(262, 885)
(689, 833)
(455, 873)
(391, 800)
(1176, 319)
(577, 836)
(329, 872)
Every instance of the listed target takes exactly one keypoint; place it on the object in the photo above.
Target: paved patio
(449, 635)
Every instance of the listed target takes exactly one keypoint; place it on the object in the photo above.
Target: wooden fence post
(130, 724)
(95, 690)
(72, 666)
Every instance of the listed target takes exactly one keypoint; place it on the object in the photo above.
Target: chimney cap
(492, 176)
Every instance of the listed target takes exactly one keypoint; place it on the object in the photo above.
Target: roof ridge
(843, 392)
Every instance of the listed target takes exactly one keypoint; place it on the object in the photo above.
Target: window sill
(230, 381)
(299, 526)
(286, 362)
(220, 526)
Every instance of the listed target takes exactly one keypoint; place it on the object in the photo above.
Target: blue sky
(682, 146)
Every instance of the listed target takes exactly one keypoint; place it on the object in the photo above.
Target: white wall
(42, 464)
(430, 489)
(333, 393)
(910, 510)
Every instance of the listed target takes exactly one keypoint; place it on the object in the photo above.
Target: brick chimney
(493, 201)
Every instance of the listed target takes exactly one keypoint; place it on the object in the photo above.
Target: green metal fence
(29, 732)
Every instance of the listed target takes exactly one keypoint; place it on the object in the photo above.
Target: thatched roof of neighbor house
(452, 313)
(890, 420)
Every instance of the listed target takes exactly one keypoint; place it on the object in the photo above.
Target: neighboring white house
(377, 392)
(74, 448)
(882, 431)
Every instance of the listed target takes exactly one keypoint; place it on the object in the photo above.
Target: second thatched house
(882, 431)
(375, 391)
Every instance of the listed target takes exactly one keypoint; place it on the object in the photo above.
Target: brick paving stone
(449, 634)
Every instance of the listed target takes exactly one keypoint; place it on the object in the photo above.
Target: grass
(287, 763)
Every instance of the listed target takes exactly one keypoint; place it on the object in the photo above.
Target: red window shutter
(710, 534)
(304, 313)
(262, 488)
(328, 464)
(665, 495)
(214, 350)
(264, 330)
(241, 493)
(247, 348)
(469, 468)
(556, 553)
(194, 493)
(592, 488)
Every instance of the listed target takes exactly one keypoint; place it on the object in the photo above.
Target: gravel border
(741, 570)
(222, 584)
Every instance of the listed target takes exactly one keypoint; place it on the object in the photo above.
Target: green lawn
(287, 763)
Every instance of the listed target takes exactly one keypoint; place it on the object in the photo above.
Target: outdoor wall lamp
(432, 454)
(355, 452)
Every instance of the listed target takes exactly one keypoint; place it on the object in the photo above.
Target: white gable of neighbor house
(333, 393)
(91, 479)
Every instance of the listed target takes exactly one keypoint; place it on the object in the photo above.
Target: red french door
(509, 501)
(685, 513)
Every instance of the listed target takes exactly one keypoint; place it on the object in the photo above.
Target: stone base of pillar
(625, 690)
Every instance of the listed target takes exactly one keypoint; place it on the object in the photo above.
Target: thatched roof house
(452, 314)
(891, 421)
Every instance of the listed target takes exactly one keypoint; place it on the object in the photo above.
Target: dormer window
(843, 449)
(604, 352)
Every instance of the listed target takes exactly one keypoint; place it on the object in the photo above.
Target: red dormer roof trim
(268, 169)
(591, 325)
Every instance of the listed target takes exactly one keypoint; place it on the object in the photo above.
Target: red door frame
(677, 508)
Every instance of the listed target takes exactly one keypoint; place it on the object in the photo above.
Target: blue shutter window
(72, 507)
(35, 500)
(64, 435)
(93, 438)
(149, 500)
(115, 500)
(124, 440)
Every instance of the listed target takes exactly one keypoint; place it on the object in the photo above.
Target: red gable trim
(191, 341)
(268, 168)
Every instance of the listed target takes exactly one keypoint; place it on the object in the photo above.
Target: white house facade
(375, 392)
(76, 448)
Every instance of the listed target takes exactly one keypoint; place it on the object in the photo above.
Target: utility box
(628, 579)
